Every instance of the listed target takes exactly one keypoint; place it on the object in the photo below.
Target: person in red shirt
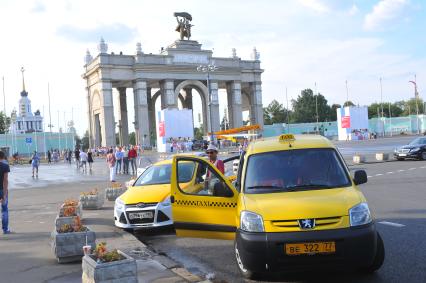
(132, 159)
(212, 154)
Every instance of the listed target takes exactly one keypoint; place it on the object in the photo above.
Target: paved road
(396, 192)
(373, 146)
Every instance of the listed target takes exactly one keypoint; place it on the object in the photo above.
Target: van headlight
(119, 204)
(166, 202)
(251, 222)
(360, 214)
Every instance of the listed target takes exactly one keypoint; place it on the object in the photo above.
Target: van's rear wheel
(379, 258)
(243, 270)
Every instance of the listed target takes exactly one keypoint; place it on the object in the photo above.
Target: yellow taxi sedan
(147, 202)
(294, 206)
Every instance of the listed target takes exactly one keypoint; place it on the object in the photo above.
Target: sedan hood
(151, 193)
(408, 146)
(303, 204)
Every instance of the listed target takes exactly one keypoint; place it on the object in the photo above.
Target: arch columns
(214, 113)
(140, 94)
(168, 97)
(256, 104)
(235, 111)
(90, 113)
(106, 119)
(123, 123)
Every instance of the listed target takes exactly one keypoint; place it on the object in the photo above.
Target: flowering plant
(70, 202)
(103, 255)
(93, 192)
(75, 227)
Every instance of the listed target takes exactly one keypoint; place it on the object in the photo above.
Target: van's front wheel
(244, 271)
(379, 258)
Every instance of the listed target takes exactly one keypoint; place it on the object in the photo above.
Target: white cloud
(384, 13)
(315, 5)
(353, 10)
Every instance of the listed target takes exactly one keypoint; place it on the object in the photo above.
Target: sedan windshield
(160, 174)
(295, 170)
(418, 141)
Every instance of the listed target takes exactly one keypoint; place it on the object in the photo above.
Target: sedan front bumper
(162, 216)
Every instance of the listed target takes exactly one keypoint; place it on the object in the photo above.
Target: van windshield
(295, 170)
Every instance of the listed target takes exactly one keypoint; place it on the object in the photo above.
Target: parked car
(415, 149)
(199, 145)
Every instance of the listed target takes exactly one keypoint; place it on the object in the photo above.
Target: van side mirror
(360, 177)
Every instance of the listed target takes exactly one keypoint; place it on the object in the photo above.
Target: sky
(302, 43)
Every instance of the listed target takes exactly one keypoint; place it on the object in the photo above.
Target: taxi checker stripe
(205, 203)
(204, 227)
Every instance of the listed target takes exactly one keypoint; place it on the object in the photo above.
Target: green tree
(348, 103)
(198, 133)
(375, 109)
(410, 107)
(4, 123)
(224, 124)
(333, 114)
(304, 107)
(85, 141)
(275, 113)
(132, 138)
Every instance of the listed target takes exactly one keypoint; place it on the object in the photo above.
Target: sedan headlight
(360, 214)
(415, 149)
(166, 202)
(119, 204)
(251, 222)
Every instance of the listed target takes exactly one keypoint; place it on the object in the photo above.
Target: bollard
(358, 158)
(382, 156)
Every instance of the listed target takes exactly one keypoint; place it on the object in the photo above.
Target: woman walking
(35, 162)
(89, 159)
(111, 164)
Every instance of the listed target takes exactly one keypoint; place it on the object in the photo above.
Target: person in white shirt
(83, 160)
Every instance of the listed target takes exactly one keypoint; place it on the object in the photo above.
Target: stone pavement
(26, 255)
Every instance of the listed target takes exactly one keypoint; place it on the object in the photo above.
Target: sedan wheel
(423, 157)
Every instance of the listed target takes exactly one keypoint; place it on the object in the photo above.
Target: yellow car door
(206, 208)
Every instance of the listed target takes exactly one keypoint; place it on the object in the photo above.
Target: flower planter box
(78, 210)
(92, 201)
(68, 247)
(358, 159)
(124, 270)
(113, 193)
(382, 156)
(60, 221)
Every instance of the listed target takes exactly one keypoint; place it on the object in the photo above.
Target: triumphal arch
(170, 76)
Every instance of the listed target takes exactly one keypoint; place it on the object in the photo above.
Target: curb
(166, 262)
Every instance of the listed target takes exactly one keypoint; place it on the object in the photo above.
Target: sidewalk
(26, 255)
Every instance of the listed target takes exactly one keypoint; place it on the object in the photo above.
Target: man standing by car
(212, 154)
(4, 192)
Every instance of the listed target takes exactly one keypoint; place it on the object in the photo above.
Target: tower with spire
(25, 121)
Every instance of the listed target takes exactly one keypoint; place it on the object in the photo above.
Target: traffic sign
(28, 140)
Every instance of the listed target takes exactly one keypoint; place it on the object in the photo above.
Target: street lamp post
(416, 95)
(381, 105)
(207, 69)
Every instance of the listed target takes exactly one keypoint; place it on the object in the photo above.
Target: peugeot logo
(140, 205)
(307, 223)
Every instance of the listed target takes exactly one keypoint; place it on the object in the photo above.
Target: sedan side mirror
(360, 177)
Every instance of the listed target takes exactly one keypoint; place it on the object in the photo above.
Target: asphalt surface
(396, 192)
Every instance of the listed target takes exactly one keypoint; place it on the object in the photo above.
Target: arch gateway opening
(170, 76)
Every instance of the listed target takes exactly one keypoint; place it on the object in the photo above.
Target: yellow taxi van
(293, 206)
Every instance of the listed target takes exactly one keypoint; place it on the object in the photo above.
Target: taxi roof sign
(286, 138)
